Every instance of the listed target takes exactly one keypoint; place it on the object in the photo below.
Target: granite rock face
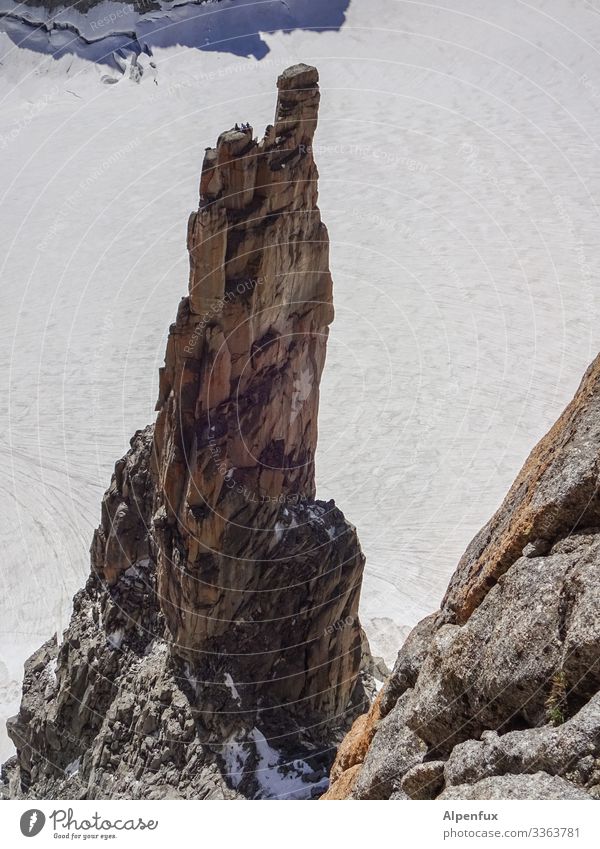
(247, 557)
(497, 694)
(540, 785)
(216, 649)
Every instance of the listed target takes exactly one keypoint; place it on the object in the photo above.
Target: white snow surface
(458, 153)
(230, 684)
(276, 778)
(72, 768)
(115, 638)
(280, 781)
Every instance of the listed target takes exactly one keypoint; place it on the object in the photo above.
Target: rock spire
(216, 649)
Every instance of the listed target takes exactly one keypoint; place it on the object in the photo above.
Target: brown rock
(356, 743)
(342, 788)
(246, 556)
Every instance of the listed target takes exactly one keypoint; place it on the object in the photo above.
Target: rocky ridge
(216, 651)
(497, 694)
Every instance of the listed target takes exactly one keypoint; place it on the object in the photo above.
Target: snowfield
(458, 148)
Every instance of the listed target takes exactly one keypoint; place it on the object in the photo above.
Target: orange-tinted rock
(356, 742)
(555, 493)
(343, 787)
(247, 559)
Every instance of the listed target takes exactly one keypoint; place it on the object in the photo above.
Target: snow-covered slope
(458, 151)
(230, 26)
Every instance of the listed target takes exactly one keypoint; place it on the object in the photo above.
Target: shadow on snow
(226, 26)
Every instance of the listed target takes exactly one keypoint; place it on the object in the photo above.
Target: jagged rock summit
(498, 694)
(216, 649)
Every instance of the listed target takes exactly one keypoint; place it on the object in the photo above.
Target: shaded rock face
(216, 650)
(497, 694)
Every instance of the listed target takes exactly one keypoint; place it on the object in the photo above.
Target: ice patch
(72, 769)
(232, 688)
(191, 678)
(279, 531)
(115, 638)
(137, 569)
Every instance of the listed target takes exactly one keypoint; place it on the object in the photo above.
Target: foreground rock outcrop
(216, 649)
(497, 694)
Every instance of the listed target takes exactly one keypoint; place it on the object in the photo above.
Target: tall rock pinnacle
(223, 600)
(246, 558)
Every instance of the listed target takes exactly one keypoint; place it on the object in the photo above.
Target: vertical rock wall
(247, 558)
